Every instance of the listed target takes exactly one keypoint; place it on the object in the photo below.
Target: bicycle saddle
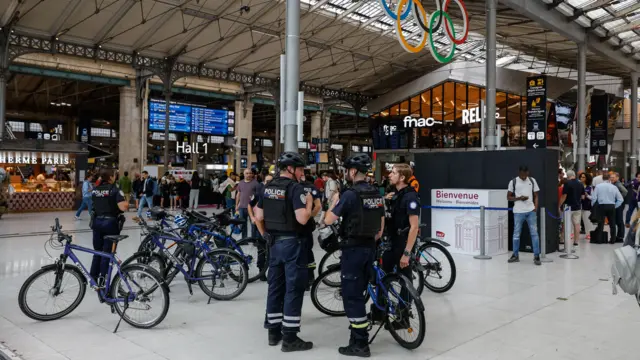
(115, 238)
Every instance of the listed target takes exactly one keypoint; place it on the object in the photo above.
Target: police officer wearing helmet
(362, 210)
(310, 226)
(282, 212)
(106, 219)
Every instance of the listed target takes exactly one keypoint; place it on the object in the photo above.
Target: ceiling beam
(615, 15)
(112, 22)
(620, 29)
(555, 21)
(13, 8)
(67, 11)
(148, 34)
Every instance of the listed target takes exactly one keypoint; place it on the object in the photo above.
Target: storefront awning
(70, 147)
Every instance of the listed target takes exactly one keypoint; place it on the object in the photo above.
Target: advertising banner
(459, 225)
(537, 112)
(599, 124)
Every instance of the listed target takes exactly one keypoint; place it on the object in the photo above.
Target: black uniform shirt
(406, 202)
(105, 208)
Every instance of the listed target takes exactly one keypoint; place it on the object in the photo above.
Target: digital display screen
(322, 158)
(564, 115)
(179, 116)
(191, 118)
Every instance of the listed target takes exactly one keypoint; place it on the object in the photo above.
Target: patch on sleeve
(303, 199)
(413, 205)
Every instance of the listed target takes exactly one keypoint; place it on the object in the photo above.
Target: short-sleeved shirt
(298, 196)
(526, 188)
(347, 203)
(405, 203)
(574, 190)
(258, 194)
(246, 191)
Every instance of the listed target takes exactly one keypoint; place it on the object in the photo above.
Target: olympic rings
(428, 31)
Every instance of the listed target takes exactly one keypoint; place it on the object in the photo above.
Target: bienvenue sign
(31, 158)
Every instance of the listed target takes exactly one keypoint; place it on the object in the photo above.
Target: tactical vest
(399, 217)
(104, 200)
(309, 188)
(279, 216)
(361, 227)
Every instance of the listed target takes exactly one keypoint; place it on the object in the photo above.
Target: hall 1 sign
(599, 131)
(31, 158)
(537, 112)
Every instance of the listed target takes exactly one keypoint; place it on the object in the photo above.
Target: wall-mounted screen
(189, 118)
(322, 158)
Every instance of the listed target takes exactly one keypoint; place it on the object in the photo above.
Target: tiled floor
(495, 311)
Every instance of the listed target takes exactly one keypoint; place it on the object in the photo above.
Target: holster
(121, 220)
(92, 219)
(268, 238)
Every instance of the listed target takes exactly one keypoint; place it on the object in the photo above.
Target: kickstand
(376, 334)
(212, 286)
(126, 306)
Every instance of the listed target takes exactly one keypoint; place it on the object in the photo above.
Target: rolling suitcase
(599, 237)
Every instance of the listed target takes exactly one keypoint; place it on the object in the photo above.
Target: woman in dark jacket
(137, 188)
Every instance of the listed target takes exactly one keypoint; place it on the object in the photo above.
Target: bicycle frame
(104, 292)
(374, 289)
(227, 239)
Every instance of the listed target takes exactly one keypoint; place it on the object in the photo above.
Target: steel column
(280, 121)
(582, 106)
(633, 124)
(293, 75)
(3, 93)
(490, 119)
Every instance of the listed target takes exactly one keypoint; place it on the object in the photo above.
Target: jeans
(355, 268)
(532, 220)
(231, 204)
(633, 204)
(145, 199)
(102, 227)
(244, 215)
(193, 198)
(287, 280)
(86, 204)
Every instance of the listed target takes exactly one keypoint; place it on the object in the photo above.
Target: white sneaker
(77, 218)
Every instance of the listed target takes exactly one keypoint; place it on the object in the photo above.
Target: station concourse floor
(495, 311)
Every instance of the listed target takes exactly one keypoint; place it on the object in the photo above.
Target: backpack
(625, 270)
(533, 183)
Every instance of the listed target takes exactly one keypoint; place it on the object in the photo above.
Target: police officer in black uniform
(404, 213)
(362, 211)
(310, 226)
(281, 214)
(107, 218)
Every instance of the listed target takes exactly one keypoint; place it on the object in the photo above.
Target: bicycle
(396, 311)
(195, 255)
(429, 267)
(124, 293)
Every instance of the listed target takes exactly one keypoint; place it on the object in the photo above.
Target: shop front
(40, 177)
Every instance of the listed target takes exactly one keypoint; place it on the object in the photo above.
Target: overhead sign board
(599, 123)
(537, 112)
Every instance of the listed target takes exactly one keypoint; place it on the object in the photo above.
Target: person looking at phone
(523, 192)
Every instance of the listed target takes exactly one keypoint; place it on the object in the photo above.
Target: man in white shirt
(523, 191)
(597, 180)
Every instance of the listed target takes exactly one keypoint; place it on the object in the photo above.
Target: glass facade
(454, 108)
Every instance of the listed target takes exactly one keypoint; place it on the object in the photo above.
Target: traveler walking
(124, 183)
(572, 197)
(87, 188)
(146, 193)
(608, 199)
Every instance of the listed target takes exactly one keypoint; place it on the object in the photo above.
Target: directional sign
(537, 112)
(599, 124)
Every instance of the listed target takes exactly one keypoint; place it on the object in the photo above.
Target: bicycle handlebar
(406, 230)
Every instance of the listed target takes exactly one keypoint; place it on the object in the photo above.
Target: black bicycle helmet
(360, 162)
(290, 158)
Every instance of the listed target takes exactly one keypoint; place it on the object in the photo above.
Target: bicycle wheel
(147, 244)
(57, 302)
(143, 285)
(325, 297)
(438, 277)
(327, 260)
(418, 278)
(404, 317)
(223, 269)
(154, 260)
(255, 252)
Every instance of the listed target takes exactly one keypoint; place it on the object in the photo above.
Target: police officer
(404, 213)
(310, 226)
(281, 214)
(107, 219)
(362, 211)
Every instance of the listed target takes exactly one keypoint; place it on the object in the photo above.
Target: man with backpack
(523, 192)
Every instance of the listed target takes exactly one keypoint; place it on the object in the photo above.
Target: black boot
(312, 278)
(275, 336)
(292, 343)
(356, 348)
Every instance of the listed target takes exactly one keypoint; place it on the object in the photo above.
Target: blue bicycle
(215, 270)
(134, 291)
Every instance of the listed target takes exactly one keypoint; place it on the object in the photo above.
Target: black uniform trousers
(391, 261)
(608, 211)
(102, 226)
(311, 259)
(287, 282)
(620, 223)
(355, 266)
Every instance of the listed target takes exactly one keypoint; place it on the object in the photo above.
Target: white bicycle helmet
(180, 220)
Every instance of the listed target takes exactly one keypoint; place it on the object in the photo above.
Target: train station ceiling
(346, 45)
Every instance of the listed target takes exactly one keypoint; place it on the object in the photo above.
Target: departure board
(188, 118)
(179, 116)
(209, 121)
